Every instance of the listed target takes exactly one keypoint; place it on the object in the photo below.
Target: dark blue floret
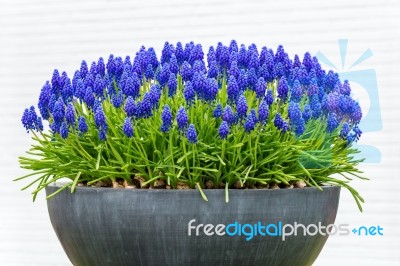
(261, 87)
(218, 111)
(145, 107)
(296, 61)
(242, 80)
(254, 61)
(89, 80)
(117, 99)
(297, 91)
(84, 69)
(100, 118)
(186, 71)
(101, 68)
(149, 74)
(333, 99)
(70, 114)
(55, 86)
(263, 112)
(152, 58)
(242, 56)
(234, 70)
(82, 125)
(99, 86)
(93, 69)
(233, 58)
(357, 131)
(58, 111)
(223, 130)
(127, 127)
(118, 67)
(80, 89)
(196, 54)
(250, 123)
(345, 89)
(64, 130)
(191, 134)
(199, 67)
(173, 64)
(299, 127)
(189, 93)
(211, 57)
(313, 87)
(182, 118)
(332, 123)
(356, 113)
(188, 50)
(89, 97)
(130, 106)
(315, 106)
(77, 76)
(154, 95)
(164, 74)
(283, 89)
(213, 70)
(232, 89)
(280, 123)
(345, 131)
(30, 119)
(180, 55)
(199, 84)
(132, 86)
(263, 55)
(166, 53)
(241, 106)
(211, 89)
(330, 80)
(294, 113)
(308, 62)
(269, 98)
(233, 47)
(44, 100)
(223, 58)
(166, 117)
(228, 115)
(307, 113)
(39, 124)
(253, 113)
(103, 134)
(110, 66)
(252, 78)
(172, 85)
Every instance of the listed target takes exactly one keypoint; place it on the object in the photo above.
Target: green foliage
(263, 156)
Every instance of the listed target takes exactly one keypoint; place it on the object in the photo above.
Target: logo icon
(366, 79)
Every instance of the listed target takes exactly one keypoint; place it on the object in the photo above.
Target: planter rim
(214, 190)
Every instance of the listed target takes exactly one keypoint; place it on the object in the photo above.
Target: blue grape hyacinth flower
(127, 127)
(182, 118)
(166, 117)
(82, 125)
(191, 134)
(223, 130)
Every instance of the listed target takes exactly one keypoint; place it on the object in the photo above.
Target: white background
(37, 36)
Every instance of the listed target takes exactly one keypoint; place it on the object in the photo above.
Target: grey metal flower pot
(105, 226)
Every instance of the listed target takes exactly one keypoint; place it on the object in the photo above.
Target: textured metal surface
(104, 226)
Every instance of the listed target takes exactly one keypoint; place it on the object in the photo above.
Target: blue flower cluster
(258, 84)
